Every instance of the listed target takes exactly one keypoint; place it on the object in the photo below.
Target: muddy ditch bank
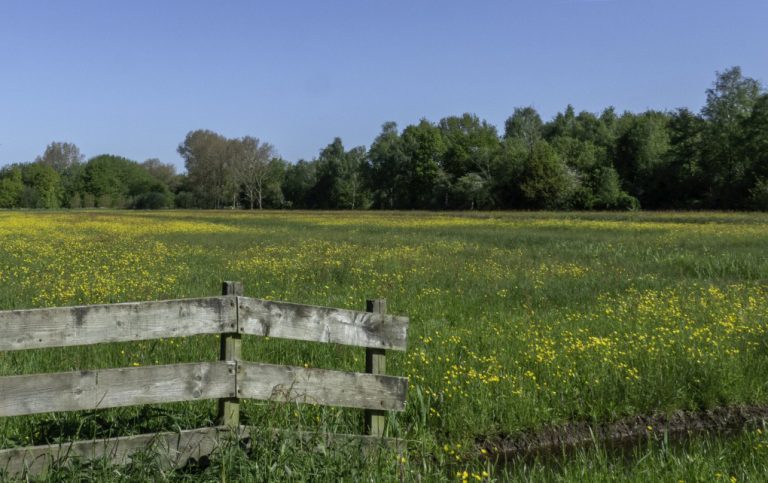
(625, 433)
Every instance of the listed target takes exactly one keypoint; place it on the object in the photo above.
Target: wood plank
(81, 390)
(322, 324)
(174, 449)
(320, 386)
(95, 324)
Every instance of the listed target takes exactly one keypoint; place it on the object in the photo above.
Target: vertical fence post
(229, 408)
(375, 363)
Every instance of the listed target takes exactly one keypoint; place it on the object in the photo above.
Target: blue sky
(132, 78)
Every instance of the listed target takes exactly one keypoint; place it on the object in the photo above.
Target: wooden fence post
(230, 349)
(375, 363)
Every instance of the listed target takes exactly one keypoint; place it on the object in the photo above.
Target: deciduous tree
(60, 156)
(205, 156)
(255, 171)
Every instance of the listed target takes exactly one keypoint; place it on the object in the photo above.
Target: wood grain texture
(82, 390)
(322, 324)
(172, 449)
(321, 386)
(95, 324)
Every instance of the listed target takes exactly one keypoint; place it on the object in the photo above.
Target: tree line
(714, 159)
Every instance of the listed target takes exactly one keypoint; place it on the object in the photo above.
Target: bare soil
(625, 433)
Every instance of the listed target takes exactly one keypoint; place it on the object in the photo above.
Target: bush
(626, 202)
(150, 201)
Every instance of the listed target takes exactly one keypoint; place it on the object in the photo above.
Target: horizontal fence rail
(228, 380)
(174, 449)
(109, 388)
(134, 321)
(320, 386)
(322, 324)
(96, 324)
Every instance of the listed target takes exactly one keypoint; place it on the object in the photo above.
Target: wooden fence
(228, 380)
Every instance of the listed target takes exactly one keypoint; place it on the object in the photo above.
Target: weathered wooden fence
(228, 380)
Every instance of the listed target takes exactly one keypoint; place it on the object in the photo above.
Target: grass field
(518, 320)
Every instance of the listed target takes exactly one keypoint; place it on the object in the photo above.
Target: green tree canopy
(209, 177)
(524, 124)
(11, 186)
(545, 181)
(60, 156)
(42, 186)
(117, 182)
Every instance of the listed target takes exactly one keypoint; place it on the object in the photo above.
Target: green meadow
(518, 321)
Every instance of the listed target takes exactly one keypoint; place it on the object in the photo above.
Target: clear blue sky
(133, 77)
